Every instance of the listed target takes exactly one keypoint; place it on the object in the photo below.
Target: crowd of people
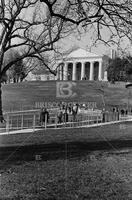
(121, 111)
(63, 113)
(68, 112)
(65, 110)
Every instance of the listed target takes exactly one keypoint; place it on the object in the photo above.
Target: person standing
(103, 115)
(74, 112)
(65, 114)
(59, 115)
(44, 116)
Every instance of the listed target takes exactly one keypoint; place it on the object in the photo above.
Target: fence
(21, 120)
(30, 119)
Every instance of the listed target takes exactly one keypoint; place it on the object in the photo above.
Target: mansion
(81, 65)
(77, 65)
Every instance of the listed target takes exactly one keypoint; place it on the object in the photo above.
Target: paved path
(54, 149)
(63, 126)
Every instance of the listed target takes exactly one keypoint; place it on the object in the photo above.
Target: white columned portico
(74, 72)
(57, 75)
(91, 71)
(65, 71)
(83, 70)
(100, 71)
(61, 72)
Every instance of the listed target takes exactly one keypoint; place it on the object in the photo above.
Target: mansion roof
(81, 53)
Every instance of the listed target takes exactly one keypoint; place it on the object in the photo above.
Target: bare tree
(17, 70)
(34, 26)
(26, 25)
(113, 17)
(29, 65)
(33, 64)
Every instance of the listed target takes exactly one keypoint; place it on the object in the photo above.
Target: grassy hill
(117, 95)
(25, 95)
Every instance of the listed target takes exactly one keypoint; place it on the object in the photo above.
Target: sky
(86, 42)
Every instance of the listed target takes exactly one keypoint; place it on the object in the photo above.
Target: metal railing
(30, 119)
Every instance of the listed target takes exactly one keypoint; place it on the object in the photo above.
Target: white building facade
(40, 77)
(80, 65)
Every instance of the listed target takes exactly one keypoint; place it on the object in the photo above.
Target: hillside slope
(25, 95)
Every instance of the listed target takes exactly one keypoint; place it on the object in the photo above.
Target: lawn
(95, 176)
(54, 143)
(77, 173)
(25, 95)
(117, 131)
(68, 169)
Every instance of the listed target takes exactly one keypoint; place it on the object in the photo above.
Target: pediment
(81, 53)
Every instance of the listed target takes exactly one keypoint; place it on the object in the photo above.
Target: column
(61, 73)
(65, 71)
(105, 76)
(57, 74)
(74, 72)
(91, 71)
(83, 71)
(100, 71)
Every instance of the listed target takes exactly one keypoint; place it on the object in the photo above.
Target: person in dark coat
(122, 112)
(60, 115)
(44, 114)
(69, 108)
(103, 115)
(65, 114)
(74, 112)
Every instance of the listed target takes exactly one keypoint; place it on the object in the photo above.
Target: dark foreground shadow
(58, 150)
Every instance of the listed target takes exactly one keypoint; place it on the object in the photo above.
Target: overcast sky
(87, 39)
